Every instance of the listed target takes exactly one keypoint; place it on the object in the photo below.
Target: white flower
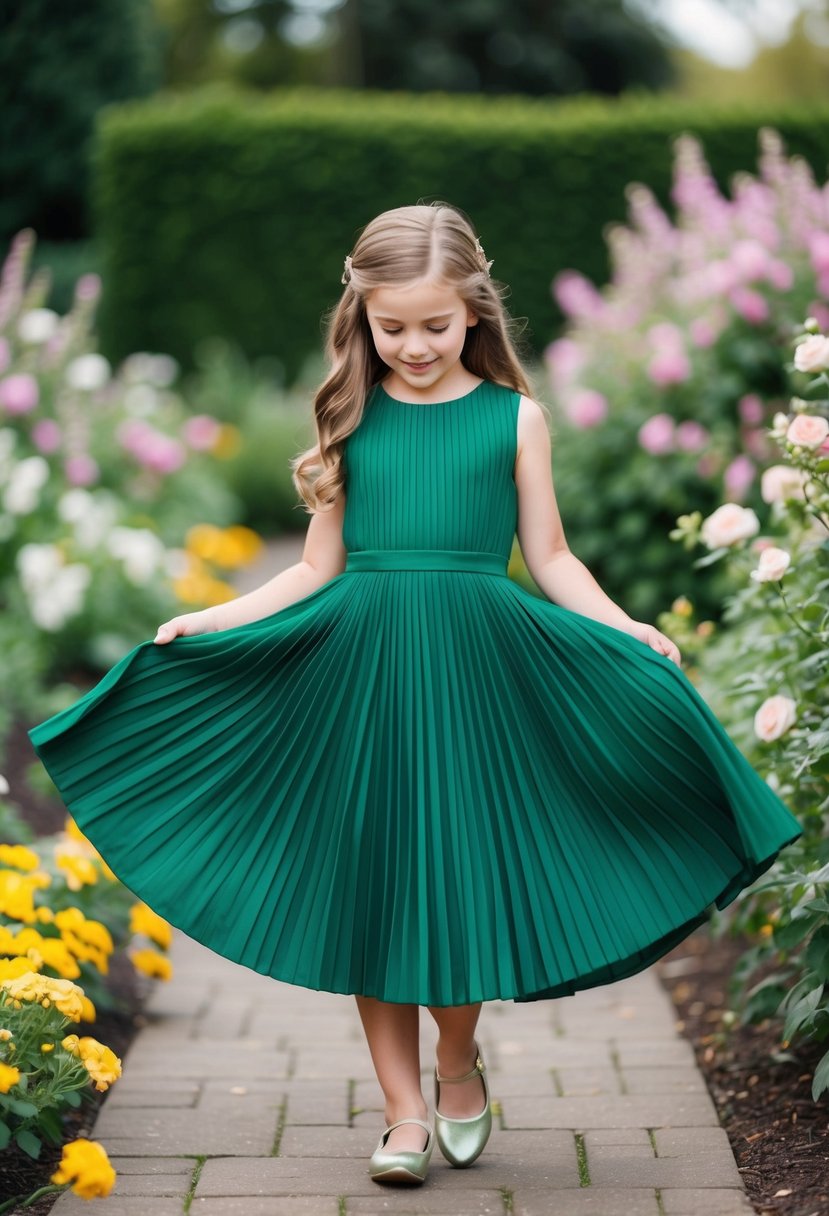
(781, 482)
(139, 549)
(4, 785)
(27, 479)
(774, 717)
(55, 591)
(728, 525)
(772, 565)
(91, 515)
(8, 442)
(812, 354)
(141, 400)
(176, 563)
(87, 372)
(808, 431)
(38, 325)
(142, 367)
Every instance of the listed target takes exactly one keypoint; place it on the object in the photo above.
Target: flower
(656, 435)
(807, 431)
(22, 493)
(739, 476)
(88, 372)
(729, 525)
(37, 325)
(151, 963)
(9, 1076)
(144, 920)
(30, 986)
(691, 436)
(85, 1165)
(18, 856)
(781, 482)
(201, 432)
(587, 408)
(100, 1062)
(81, 470)
(79, 871)
(46, 435)
(19, 393)
(812, 355)
(774, 717)
(772, 565)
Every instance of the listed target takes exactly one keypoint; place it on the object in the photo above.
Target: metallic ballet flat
(406, 1165)
(462, 1140)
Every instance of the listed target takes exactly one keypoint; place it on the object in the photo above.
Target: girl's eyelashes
(433, 329)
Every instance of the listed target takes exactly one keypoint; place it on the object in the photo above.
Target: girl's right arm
(323, 557)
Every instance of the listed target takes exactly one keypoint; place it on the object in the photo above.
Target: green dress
(420, 782)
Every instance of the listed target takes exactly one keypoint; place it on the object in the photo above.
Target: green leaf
(794, 931)
(5, 1134)
(801, 1013)
(817, 953)
(26, 1110)
(72, 1098)
(29, 1142)
(820, 1081)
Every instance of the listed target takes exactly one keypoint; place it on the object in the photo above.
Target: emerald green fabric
(419, 782)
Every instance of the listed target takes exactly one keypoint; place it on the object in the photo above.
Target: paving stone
(127, 1205)
(156, 1095)
(642, 1053)
(587, 1201)
(611, 1165)
(690, 1141)
(236, 1176)
(427, 1200)
(663, 1079)
(626, 1110)
(698, 1202)
(326, 1141)
(151, 1186)
(619, 1135)
(294, 1205)
(248, 1133)
(153, 1055)
(587, 1081)
(152, 1165)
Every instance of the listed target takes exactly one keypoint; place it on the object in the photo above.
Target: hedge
(226, 212)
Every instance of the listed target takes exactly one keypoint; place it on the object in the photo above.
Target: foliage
(65, 61)
(767, 674)
(665, 378)
(229, 214)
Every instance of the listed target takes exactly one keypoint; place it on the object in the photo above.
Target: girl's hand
(185, 626)
(656, 640)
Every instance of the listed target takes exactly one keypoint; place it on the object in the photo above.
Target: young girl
(393, 772)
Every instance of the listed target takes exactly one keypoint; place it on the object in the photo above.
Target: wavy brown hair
(431, 241)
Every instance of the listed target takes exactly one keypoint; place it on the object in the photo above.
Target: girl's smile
(419, 331)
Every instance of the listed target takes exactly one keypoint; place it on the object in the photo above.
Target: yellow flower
(228, 442)
(17, 894)
(144, 920)
(5, 1035)
(30, 986)
(55, 954)
(151, 963)
(100, 1062)
(9, 1076)
(766, 930)
(11, 968)
(72, 1044)
(682, 606)
(204, 540)
(47, 1047)
(87, 1010)
(79, 871)
(85, 1164)
(18, 856)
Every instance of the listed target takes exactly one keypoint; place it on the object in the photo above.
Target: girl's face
(419, 331)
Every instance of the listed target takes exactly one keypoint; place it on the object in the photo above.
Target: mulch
(779, 1135)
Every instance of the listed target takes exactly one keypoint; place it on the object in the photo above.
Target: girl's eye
(433, 329)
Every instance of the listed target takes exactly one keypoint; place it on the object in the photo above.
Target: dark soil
(779, 1135)
(19, 1174)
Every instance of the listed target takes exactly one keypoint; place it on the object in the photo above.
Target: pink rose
(772, 565)
(774, 717)
(750, 260)
(738, 476)
(807, 431)
(781, 482)
(751, 409)
(691, 436)
(19, 394)
(81, 470)
(576, 295)
(703, 332)
(670, 366)
(587, 408)
(751, 306)
(201, 432)
(565, 359)
(656, 435)
(819, 251)
(812, 355)
(729, 525)
(780, 275)
(46, 435)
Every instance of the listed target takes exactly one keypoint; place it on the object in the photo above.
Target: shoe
(405, 1165)
(462, 1140)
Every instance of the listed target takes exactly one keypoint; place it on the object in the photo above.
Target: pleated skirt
(424, 785)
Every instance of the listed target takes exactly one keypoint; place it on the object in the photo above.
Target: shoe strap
(473, 1072)
(420, 1123)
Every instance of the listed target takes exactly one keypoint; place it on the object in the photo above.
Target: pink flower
(772, 565)
(751, 306)
(587, 408)
(201, 432)
(88, 288)
(819, 251)
(691, 436)
(807, 431)
(812, 355)
(81, 470)
(164, 455)
(669, 367)
(751, 409)
(703, 332)
(576, 296)
(750, 260)
(46, 435)
(780, 275)
(729, 525)
(5, 354)
(19, 394)
(738, 476)
(774, 717)
(781, 482)
(656, 435)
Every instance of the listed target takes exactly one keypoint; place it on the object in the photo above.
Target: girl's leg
(456, 1056)
(393, 1034)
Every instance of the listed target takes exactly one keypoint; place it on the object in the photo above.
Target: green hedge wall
(224, 212)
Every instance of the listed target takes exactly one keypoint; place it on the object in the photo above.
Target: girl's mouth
(418, 367)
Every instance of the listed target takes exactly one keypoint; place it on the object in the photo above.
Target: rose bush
(766, 673)
(665, 381)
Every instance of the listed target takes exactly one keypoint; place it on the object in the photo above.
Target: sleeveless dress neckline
(449, 401)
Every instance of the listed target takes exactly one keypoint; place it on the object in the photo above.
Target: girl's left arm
(562, 577)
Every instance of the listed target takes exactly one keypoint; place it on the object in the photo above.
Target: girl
(391, 771)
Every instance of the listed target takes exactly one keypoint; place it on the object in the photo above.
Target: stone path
(244, 1096)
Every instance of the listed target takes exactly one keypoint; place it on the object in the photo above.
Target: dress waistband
(426, 559)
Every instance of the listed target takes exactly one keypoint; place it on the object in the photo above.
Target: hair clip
(479, 249)
(347, 271)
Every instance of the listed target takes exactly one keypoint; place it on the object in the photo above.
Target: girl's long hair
(400, 246)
